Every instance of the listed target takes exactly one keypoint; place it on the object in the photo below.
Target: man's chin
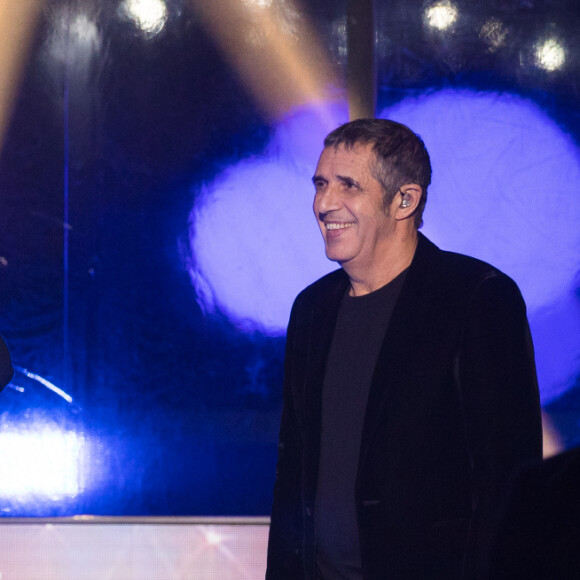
(336, 257)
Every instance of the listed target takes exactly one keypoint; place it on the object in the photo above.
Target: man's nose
(326, 200)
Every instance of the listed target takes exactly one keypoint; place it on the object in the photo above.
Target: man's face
(348, 206)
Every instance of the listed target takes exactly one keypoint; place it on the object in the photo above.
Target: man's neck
(399, 257)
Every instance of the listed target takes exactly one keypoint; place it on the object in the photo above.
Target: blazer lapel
(321, 327)
(321, 330)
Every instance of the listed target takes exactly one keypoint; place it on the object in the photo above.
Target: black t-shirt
(360, 329)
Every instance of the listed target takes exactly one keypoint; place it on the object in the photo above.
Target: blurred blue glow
(254, 240)
(504, 190)
(40, 461)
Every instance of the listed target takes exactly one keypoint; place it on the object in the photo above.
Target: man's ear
(407, 201)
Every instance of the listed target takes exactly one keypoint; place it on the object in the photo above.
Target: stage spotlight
(149, 16)
(441, 15)
(550, 54)
(76, 32)
(257, 3)
(493, 33)
(274, 49)
(17, 24)
(39, 461)
(83, 30)
(213, 538)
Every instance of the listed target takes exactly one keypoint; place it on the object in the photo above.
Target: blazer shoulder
(469, 266)
(460, 268)
(460, 278)
(446, 264)
(481, 286)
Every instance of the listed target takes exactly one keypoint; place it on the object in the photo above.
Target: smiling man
(367, 233)
(410, 390)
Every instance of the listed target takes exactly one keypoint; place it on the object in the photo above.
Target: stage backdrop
(155, 224)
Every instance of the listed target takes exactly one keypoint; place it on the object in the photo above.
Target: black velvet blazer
(453, 407)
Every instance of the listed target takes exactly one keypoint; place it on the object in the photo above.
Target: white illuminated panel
(95, 550)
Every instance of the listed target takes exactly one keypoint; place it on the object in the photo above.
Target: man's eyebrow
(348, 180)
(318, 178)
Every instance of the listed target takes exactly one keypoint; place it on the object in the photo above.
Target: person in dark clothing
(6, 370)
(410, 390)
(538, 536)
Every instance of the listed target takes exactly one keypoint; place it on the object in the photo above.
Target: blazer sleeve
(495, 372)
(6, 370)
(285, 538)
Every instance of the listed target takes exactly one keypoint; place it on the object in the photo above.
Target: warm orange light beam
(17, 20)
(273, 49)
(361, 71)
(552, 439)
